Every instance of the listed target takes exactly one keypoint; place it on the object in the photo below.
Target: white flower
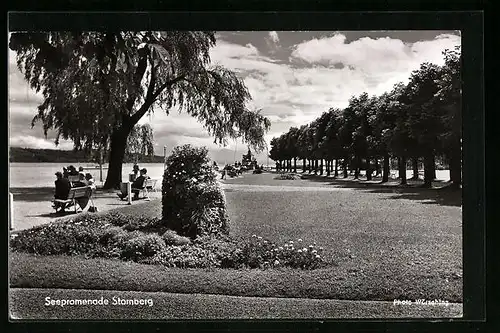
(314, 252)
(291, 242)
(300, 239)
(304, 249)
(276, 262)
(253, 236)
(299, 251)
(259, 238)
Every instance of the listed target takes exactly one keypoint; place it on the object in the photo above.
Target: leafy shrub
(141, 223)
(226, 250)
(143, 246)
(204, 252)
(170, 237)
(130, 222)
(112, 235)
(193, 203)
(61, 237)
(185, 256)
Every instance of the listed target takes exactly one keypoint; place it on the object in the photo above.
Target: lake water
(42, 174)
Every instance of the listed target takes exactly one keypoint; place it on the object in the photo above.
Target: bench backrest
(74, 179)
(80, 192)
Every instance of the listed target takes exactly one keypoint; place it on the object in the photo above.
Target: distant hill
(31, 155)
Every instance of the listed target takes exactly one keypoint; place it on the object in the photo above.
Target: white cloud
(224, 50)
(378, 60)
(29, 141)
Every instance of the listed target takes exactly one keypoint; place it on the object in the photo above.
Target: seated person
(135, 173)
(72, 171)
(90, 181)
(62, 190)
(137, 184)
(65, 172)
(81, 171)
(81, 181)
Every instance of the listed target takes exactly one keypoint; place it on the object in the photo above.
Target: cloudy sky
(292, 76)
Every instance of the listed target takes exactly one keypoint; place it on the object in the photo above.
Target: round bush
(170, 237)
(193, 203)
(143, 246)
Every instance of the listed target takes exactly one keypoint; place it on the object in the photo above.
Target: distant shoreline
(32, 155)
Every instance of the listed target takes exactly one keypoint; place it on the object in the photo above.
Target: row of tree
(417, 121)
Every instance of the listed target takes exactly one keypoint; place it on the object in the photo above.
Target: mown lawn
(380, 246)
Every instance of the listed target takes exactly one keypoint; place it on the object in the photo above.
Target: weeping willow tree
(140, 142)
(98, 85)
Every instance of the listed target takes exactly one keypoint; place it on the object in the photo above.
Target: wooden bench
(74, 194)
(149, 184)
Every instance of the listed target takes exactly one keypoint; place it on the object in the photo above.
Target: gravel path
(32, 206)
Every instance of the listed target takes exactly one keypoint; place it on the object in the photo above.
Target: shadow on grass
(37, 194)
(441, 193)
(54, 214)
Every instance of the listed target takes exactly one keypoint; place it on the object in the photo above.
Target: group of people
(63, 185)
(138, 178)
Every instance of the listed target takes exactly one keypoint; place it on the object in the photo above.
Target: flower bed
(108, 236)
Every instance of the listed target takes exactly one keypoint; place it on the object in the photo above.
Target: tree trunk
(336, 174)
(456, 164)
(295, 164)
(344, 166)
(328, 167)
(309, 168)
(356, 167)
(304, 165)
(368, 170)
(414, 162)
(376, 167)
(402, 169)
(321, 167)
(433, 170)
(429, 168)
(116, 155)
(386, 169)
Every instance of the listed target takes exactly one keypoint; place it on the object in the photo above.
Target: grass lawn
(381, 246)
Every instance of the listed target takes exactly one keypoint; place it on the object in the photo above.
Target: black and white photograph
(180, 175)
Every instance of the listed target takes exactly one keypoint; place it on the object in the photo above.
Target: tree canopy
(420, 119)
(98, 85)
